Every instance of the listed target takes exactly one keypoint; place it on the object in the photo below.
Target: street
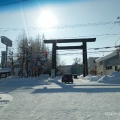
(49, 99)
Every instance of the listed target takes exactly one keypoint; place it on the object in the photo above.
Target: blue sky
(63, 19)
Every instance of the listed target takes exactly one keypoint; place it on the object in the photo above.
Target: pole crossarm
(70, 40)
(69, 47)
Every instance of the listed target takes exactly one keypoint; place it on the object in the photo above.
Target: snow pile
(112, 78)
(115, 74)
(92, 78)
(104, 78)
(45, 76)
(81, 75)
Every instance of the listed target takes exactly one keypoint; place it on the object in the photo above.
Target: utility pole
(27, 62)
(31, 62)
(6, 56)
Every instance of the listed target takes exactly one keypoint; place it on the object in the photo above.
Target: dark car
(67, 78)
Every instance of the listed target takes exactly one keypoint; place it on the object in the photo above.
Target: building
(77, 69)
(92, 65)
(109, 63)
(64, 69)
(71, 69)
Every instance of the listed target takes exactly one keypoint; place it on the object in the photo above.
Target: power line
(117, 40)
(68, 53)
(60, 26)
(107, 47)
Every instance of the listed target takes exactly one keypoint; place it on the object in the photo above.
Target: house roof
(107, 56)
(93, 58)
(4, 70)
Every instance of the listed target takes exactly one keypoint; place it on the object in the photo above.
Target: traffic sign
(6, 41)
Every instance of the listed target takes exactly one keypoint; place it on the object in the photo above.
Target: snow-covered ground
(42, 98)
(113, 78)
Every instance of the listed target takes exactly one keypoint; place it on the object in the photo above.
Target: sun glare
(47, 19)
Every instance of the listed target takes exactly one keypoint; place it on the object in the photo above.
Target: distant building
(68, 69)
(64, 69)
(92, 65)
(77, 69)
(71, 69)
(109, 63)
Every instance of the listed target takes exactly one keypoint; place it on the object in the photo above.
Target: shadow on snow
(37, 85)
(8, 85)
(88, 88)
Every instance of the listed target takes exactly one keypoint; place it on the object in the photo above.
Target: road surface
(49, 99)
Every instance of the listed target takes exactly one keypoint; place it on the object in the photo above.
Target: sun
(47, 19)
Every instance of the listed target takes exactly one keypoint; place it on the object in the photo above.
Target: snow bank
(92, 78)
(44, 75)
(5, 70)
(115, 74)
(112, 78)
(105, 78)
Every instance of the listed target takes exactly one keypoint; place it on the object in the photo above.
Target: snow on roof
(5, 70)
(93, 57)
(107, 56)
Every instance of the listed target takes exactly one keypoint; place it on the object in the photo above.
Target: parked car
(67, 78)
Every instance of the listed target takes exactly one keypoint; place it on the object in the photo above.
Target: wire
(117, 40)
(65, 53)
(60, 26)
(107, 47)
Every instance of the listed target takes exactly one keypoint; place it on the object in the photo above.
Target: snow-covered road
(49, 99)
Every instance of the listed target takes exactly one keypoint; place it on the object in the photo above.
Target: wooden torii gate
(83, 47)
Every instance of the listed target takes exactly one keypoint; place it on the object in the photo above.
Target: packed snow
(113, 78)
(45, 98)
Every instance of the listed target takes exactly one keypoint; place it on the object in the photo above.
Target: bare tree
(22, 50)
(77, 60)
(31, 54)
(10, 58)
(75, 65)
(61, 67)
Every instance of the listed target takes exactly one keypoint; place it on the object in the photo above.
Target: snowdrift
(113, 78)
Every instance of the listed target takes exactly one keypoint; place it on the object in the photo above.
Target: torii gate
(83, 46)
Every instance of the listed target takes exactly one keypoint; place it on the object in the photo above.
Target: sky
(63, 19)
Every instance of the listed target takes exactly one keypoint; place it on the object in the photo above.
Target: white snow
(113, 78)
(2, 70)
(43, 98)
(92, 77)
